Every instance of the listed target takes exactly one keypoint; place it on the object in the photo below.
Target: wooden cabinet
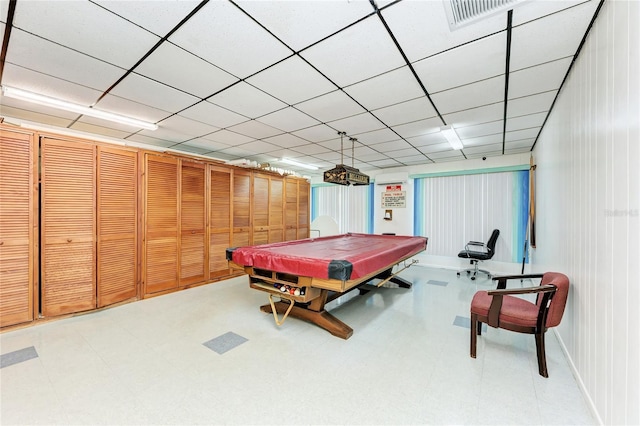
(220, 219)
(296, 209)
(18, 221)
(68, 227)
(268, 209)
(117, 225)
(192, 223)
(242, 214)
(160, 266)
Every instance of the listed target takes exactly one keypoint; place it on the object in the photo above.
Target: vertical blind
(452, 210)
(350, 206)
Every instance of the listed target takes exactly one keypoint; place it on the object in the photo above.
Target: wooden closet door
(276, 210)
(303, 209)
(68, 227)
(193, 262)
(17, 194)
(260, 209)
(291, 210)
(220, 224)
(242, 190)
(161, 224)
(117, 186)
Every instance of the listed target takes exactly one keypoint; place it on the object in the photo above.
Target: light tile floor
(406, 363)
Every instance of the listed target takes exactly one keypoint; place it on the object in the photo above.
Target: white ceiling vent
(465, 12)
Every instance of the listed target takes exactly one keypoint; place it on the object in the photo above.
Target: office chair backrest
(491, 244)
(559, 300)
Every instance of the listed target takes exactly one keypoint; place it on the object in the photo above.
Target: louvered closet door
(241, 208)
(16, 227)
(291, 210)
(276, 210)
(193, 262)
(220, 225)
(68, 227)
(161, 224)
(303, 209)
(117, 225)
(260, 209)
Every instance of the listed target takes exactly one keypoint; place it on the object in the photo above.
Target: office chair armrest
(493, 317)
(475, 243)
(502, 280)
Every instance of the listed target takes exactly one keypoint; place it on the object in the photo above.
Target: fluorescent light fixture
(295, 163)
(451, 135)
(12, 92)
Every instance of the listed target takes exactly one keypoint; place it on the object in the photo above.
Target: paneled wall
(588, 211)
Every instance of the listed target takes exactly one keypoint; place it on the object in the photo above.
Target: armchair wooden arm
(496, 302)
(502, 280)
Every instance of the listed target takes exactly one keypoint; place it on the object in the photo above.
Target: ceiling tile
(538, 79)
(82, 26)
(477, 115)
(147, 14)
(302, 82)
(469, 96)
(403, 153)
(357, 53)
(439, 150)
(389, 162)
(341, 145)
(187, 126)
(419, 127)
(529, 11)
(247, 100)
(224, 36)
(255, 129)
(387, 89)
(484, 129)
(103, 126)
(311, 149)
(482, 140)
(145, 91)
(189, 148)
(316, 133)
(422, 29)
(451, 68)
(259, 146)
(288, 119)
(483, 150)
(331, 106)
(406, 112)
(228, 137)
(37, 82)
(531, 43)
(207, 144)
(540, 102)
(150, 140)
(387, 147)
(34, 53)
(286, 140)
(377, 136)
(446, 156)
(122, 106)
(526, 121)
(301, 23)
(97, 129)
(357, 124)
(180, 69)
(428, 139)
(206, 112)
(518, 135)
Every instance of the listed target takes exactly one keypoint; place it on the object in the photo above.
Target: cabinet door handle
(69, 240)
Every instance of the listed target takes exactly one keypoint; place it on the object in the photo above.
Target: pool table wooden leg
(314, 313)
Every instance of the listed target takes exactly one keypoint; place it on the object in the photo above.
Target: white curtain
(350, 206)
(452, 210)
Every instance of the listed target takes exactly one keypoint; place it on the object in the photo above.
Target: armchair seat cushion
(515, 310)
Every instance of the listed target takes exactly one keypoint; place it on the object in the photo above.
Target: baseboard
(576, 375)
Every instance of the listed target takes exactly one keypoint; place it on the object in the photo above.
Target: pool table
(307, 274)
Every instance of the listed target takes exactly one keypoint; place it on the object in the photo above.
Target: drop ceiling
(265, 80)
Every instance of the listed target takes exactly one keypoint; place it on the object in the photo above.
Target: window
(350, 206)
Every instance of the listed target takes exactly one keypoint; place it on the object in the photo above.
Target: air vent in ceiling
(464, 12)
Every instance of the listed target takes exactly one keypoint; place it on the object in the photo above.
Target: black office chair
(477, 251)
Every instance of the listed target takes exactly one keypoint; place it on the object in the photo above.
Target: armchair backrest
(559, 300)
(491, 244)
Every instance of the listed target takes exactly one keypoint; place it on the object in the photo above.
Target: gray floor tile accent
(225, 342)
(465, 322)
(436, 282)
(18, 356)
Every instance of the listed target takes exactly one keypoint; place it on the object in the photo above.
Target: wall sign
(394, 199)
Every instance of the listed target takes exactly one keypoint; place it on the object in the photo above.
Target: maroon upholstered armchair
(502, 308)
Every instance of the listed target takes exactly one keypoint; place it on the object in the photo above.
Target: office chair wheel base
(473, 278)
(458, 273)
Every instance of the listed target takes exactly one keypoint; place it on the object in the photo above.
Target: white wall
(588, 209)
